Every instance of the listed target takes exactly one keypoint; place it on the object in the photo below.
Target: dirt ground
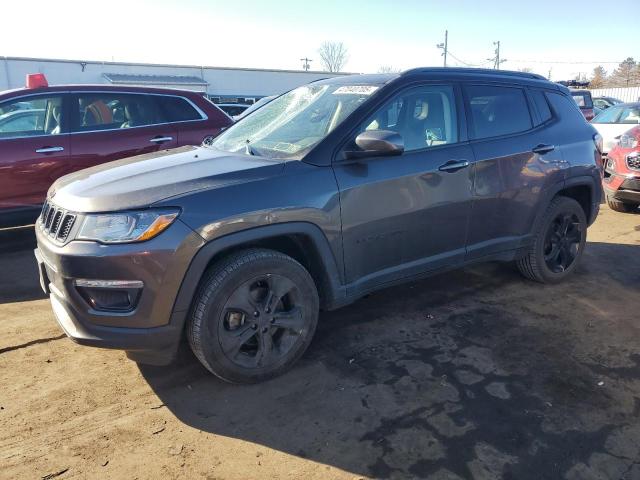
(471, 374)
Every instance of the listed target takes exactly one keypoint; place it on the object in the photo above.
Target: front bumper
(148, 332)
(623, 187)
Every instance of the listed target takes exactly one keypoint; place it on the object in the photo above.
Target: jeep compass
(328, 192)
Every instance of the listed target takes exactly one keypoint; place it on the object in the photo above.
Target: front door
(403, 215)
(34, 151)
(112, 125)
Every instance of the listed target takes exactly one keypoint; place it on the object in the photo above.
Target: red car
(622, 173)
(585, 102)
(47, 132)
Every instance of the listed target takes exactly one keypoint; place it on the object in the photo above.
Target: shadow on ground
(18, 270)
(470, 374)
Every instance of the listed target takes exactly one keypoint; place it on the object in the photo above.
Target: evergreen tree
(599, 78)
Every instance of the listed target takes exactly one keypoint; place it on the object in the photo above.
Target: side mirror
(377, 143)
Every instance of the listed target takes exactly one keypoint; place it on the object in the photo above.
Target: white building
(220, 83)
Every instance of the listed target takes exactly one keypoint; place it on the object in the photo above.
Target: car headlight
(124, 227)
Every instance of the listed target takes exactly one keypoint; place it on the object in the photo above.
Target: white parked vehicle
(613, 122)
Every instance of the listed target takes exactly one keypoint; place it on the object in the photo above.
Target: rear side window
(112, 111)
(177, 109)
(497, 111)
(566, 108)
(540, 102)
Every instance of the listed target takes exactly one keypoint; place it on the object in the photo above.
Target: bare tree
(388, 69)
(333, 56)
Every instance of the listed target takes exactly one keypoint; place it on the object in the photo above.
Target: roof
(128, 79)
(19, 92)
(133, 64)
(475, 71)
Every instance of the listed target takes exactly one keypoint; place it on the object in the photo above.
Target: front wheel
(619, 206)
(254, 316)
(558, 243)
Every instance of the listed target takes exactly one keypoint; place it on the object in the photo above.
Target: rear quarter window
(497, 110)
(177, 109)
(565, 107)
(541, 105)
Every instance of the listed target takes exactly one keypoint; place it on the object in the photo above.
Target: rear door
(107, 126)
(34, 148)
(516, 157)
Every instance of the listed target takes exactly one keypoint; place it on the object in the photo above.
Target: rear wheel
(254, 316)
(618, 206)
(558, 243)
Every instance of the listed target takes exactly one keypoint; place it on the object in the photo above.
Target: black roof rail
(482, 71)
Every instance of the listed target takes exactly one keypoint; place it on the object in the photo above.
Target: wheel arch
(303, 241)
(583, 189)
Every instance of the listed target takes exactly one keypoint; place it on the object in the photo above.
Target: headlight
(126, 227)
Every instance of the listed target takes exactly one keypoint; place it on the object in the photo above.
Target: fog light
(110, 295)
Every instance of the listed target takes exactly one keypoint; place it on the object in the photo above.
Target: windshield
(292, 124)
(619, 114)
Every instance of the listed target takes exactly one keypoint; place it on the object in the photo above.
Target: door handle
(161, 139)
(50, 149)
(542, 149)
(453, 165)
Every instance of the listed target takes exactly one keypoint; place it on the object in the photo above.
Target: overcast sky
(541, 34)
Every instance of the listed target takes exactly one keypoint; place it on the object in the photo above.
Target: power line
(467, 64)
(562, 62)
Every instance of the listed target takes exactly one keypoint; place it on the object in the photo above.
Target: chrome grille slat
(65, 227)
(55, 223)
(47, 222)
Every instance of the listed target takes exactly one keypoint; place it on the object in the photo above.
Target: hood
(140, 181)
(610, 133)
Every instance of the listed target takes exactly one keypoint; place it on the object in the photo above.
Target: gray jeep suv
(330, 191)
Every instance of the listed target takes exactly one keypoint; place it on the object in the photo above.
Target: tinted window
(177, 109)
(423, 116)
(565, 107)
(110, 111)
(41, 115)
(540, 102)
(498, 110)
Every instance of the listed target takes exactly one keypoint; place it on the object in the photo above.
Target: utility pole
(496, 60)
(305, 64)
(444, 46)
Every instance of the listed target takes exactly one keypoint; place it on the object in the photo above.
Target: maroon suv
(47, 132)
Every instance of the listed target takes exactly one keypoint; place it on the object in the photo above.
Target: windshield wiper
(248, 149)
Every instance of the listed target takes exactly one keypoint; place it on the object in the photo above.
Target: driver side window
(424, 116)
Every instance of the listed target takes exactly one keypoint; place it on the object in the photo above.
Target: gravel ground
(471, 374)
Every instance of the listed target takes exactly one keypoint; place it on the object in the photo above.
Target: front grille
(633, 162)
(56, 222)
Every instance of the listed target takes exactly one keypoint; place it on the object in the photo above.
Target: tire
(550, 259)
(618, 206)
(243, 346)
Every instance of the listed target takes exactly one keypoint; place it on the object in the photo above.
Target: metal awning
(185, 82)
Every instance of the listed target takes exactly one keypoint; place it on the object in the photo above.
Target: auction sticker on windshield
(356, 90)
